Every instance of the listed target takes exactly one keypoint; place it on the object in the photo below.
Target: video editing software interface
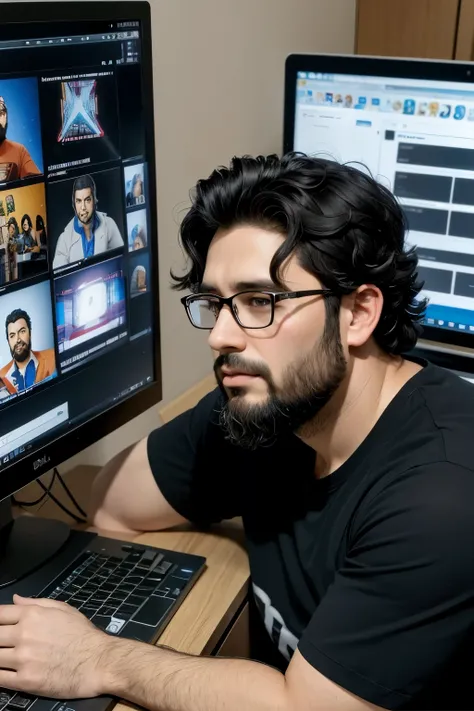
(75, 303)
(417, 138)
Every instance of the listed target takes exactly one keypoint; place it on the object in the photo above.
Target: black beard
(307, 387)
(3, 133)
(88, 221)
(24, 355)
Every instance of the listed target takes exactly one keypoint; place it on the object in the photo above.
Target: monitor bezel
(32, 466)
(430, 69)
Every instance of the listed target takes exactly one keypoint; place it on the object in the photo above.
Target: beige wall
(218, 71)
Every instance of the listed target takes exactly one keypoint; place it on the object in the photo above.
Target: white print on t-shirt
(275, 624)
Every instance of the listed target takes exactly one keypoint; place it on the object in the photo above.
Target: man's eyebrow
(256, 284)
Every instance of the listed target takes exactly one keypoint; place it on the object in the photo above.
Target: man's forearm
(160, 679)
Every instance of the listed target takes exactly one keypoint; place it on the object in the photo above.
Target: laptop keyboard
(125, 589)
(110, 590)
(14, 700)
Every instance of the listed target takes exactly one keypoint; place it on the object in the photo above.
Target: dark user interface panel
(76, 311)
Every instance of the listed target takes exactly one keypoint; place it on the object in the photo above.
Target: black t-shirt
(369, 571)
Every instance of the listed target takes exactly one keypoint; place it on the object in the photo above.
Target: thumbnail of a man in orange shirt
(15, 160)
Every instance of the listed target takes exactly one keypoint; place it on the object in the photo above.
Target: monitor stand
(27, 543)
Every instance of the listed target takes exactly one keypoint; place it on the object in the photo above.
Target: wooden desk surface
(216, 597)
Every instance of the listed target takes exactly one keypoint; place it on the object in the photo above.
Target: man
(27, 367)
(15, 160)
(138, 281)
(362, 555)
(135, 195)
(138, 237)
(90, 232)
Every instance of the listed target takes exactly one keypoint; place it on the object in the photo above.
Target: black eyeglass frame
(275, 297)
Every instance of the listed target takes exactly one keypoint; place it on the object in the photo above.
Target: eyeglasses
(250, 309)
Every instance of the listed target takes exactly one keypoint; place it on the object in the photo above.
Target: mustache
(233, 360)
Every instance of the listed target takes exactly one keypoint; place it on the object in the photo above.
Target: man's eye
(260, 302)
(213, 307)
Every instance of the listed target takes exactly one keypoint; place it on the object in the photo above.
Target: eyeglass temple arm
(299, 294)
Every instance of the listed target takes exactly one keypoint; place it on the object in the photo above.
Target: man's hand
(51, 649)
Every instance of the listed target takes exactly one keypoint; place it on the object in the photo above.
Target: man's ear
(364, 307)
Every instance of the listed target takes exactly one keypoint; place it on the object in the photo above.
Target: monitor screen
(78, 253)
(411, 123)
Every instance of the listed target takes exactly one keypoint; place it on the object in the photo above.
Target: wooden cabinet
(236, 642)
(433, 29)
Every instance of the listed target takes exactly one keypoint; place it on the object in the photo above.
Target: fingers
(8, 636)
(9, 680)
(9, 615)
(40, 602)
(8, 660)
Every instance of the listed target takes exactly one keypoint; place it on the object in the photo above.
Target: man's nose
(227, 335)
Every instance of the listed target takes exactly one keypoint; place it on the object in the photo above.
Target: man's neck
(87, 231)
(372, 382)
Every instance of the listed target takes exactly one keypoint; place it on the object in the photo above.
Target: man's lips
(236, 377)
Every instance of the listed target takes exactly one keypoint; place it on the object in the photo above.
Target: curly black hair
(343, 226)
(15, 316)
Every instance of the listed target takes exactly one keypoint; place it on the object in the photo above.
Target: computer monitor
(411, 123)
(79, 316)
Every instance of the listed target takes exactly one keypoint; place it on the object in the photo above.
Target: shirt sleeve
(61, 257)
(115, 238)
(401, 605)
(27, 165)
(193, 467)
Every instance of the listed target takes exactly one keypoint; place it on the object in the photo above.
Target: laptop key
(135, 600)
(75, 603)
(81, 595)
(134, 580)
(94, 604)
(114, 580)
(5, 696)
(175, 584)
(115, 600)
(163, 567)
(126, 610)
(88, 612)
(20, 701)
(101, 621)
(107, 587)
(63, 597)
(100, 595)
(125, 588)
(153, 579)
(115, 625)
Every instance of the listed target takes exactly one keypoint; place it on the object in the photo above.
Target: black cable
(69, 492)
(61, 506)
(26, 504)
(48, 493)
